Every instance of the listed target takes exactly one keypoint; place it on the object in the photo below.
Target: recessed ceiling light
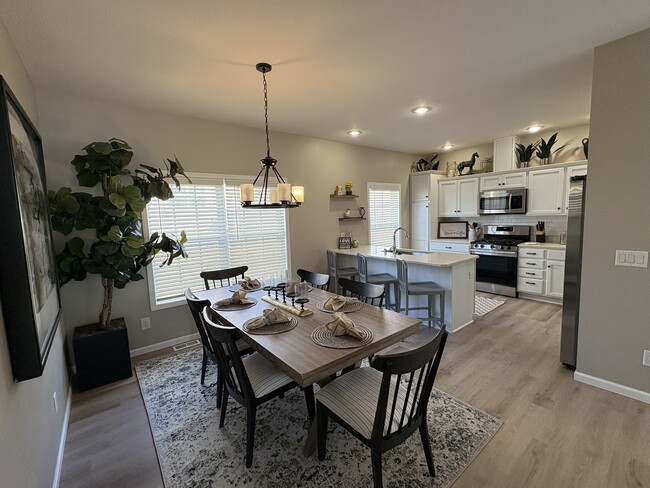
(354, 133)
(448, 146)
(534, 128)
(421, 109)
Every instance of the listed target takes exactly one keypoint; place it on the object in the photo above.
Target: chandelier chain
(266, 115)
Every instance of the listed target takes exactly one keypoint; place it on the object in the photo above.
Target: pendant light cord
(266, 116)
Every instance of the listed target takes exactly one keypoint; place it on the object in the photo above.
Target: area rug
(483, 305)
(194, 452)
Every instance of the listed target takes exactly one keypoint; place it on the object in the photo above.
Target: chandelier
(283, 195)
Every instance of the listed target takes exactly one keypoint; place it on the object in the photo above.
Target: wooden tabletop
(296, 353)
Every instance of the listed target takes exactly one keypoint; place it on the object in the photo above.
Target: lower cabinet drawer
(461, 247)
(530, 285)
(531, 273)
(531, 263)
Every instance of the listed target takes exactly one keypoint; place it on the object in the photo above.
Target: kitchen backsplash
(554, 225)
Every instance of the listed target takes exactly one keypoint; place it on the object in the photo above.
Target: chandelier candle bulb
(274, 197)
(298, 193)
(246, 192)
(284, 192)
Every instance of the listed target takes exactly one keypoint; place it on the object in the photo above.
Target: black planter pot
(101, 356)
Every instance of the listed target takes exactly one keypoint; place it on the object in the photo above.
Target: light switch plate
(636, 259)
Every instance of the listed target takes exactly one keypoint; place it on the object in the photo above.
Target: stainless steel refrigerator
(572, 270)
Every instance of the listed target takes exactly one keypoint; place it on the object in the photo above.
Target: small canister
(563, 237)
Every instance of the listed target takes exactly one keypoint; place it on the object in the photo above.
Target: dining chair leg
(424, 435)
(224, 407)
(387, 295)
(204, 367)
(250, 435)
(219, 388)
(321, 429)
(309, 398)
(376, 467)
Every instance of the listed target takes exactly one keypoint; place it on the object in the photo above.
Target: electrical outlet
(145, 323)
(646, 358)
(56, 404)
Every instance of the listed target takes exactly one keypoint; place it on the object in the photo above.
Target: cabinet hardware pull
(530, 274)
(447, 247)
(531, 264)
(529, 283)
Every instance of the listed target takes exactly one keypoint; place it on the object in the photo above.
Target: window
(383, 212)
(220, 235)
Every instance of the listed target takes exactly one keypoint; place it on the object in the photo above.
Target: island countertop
(429, 258)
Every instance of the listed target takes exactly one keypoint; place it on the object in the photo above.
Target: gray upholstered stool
(336, 272)
(428, 288)
(385, 279)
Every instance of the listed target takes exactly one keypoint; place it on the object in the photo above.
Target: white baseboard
(461, 327)
(64, 435)
(627, 391)
(163, 345)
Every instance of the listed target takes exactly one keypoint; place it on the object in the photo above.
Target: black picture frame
(457, 229)
(345, 242)
(29, 290)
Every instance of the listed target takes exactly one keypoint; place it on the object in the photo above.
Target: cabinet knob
(558, 208)
(549, 266)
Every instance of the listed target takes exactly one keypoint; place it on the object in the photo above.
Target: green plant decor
(525, 153)
(118, 249)
(545, 148)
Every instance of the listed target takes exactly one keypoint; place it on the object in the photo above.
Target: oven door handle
(510, 201)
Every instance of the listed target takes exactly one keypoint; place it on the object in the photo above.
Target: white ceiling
(489, 69)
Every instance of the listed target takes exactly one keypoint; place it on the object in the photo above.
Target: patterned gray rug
(484, 305)
(194, 452)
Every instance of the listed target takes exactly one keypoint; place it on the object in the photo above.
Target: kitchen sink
(407, 252)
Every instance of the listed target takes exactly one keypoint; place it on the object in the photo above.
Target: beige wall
(614, 325)
(69, 123)
(30, 429)
(570, 137)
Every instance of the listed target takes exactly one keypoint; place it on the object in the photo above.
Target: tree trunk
(105, 314)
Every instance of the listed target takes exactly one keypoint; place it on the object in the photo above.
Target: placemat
(288, 308)
(237, 287)
(234, 307)
(347, 308)
(323, 337)
(271, 329)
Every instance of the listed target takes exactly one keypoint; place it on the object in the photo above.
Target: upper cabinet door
(514, 180)
(447, 198)
(546, 192)
(572, 171)
(492, 182)
(419, 186)
(468, 197)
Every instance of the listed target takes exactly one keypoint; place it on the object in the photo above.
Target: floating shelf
(352, 218)
(344, 196)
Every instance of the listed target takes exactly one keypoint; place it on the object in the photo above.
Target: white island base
(456, 273)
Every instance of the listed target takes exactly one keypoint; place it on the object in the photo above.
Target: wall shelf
(344, 196)
(352, 218)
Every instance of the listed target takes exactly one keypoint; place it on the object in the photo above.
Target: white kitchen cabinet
(546, 192)
(424, 208)
(504, 153)
(540, 272)
(420, 223)
(458, 197)
(419, 186)
(570, 172)
(515, 179)
(554, 278)
(447, 246)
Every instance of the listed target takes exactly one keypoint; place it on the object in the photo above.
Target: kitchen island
(453, 272)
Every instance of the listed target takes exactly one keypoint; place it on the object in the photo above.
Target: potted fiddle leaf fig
(545, 149)
(111, 244)
(525, 153)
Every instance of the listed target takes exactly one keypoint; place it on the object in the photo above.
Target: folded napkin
(237, 298)
(249, 283)
(334, 303)
(275, 316)
(342, 324)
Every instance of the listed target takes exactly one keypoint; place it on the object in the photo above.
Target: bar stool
(385, 279)
(336, 272)
(428, 288)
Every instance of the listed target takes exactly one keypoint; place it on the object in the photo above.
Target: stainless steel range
(496, 267)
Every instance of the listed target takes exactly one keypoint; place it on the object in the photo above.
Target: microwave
(503, 202)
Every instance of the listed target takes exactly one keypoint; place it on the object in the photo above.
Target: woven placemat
(278, 328)
(324, 337)
(232, 308)
(237, 287)
(347, 308)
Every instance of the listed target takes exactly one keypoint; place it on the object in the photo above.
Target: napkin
(334, 303)
(342, 324)
(237, 298)
(249, 283)
(275, 316)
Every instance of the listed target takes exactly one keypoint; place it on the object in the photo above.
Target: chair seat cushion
(424, 288)
(354, 396)
(346, 271)
(263, 376)
(381, 278)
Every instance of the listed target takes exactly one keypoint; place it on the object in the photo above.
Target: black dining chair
(385, 404)
(250, 380)
(196, 306)
(228, 276)
(365, 292)
(317, 280)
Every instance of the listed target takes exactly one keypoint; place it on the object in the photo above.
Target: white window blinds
(220, 235)
(383, 212)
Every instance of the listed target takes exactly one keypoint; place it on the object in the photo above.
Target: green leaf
(75, 247)
(70, 204)
(107, 248)
(87, 178)
(101, 147)
(134, 242)
(118, 200)
(130, 251)
(114, 234)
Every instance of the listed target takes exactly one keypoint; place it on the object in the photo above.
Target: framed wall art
(29, 291)
(453, 230)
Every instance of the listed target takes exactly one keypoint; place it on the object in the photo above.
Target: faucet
(393, 249)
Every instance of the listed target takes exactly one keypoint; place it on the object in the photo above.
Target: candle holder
(268, 289)
(292, 295)
(276, 289)
(302, 302)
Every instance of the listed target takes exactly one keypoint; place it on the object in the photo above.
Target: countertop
(431, 258)
(544, 245)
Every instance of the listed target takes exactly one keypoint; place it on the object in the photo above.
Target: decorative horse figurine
(468, 164)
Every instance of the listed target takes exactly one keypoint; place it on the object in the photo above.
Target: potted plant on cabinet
(545, 149)
(118, 249)
(525, 153)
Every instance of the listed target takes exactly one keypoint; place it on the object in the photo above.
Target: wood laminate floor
(556, 432)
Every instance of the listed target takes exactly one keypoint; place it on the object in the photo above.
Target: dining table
(296, 353)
